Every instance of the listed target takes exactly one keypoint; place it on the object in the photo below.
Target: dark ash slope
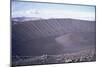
(52, 36)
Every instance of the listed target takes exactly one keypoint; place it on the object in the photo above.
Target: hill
(52, 37)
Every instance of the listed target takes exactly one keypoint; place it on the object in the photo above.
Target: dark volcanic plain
(48, 41)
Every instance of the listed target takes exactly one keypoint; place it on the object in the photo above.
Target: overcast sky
(48, 10)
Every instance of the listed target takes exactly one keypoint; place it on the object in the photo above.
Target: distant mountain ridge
(22, 19)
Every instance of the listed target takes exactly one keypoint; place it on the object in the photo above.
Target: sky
(52, 10)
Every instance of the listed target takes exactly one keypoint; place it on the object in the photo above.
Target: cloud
(53, 13)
